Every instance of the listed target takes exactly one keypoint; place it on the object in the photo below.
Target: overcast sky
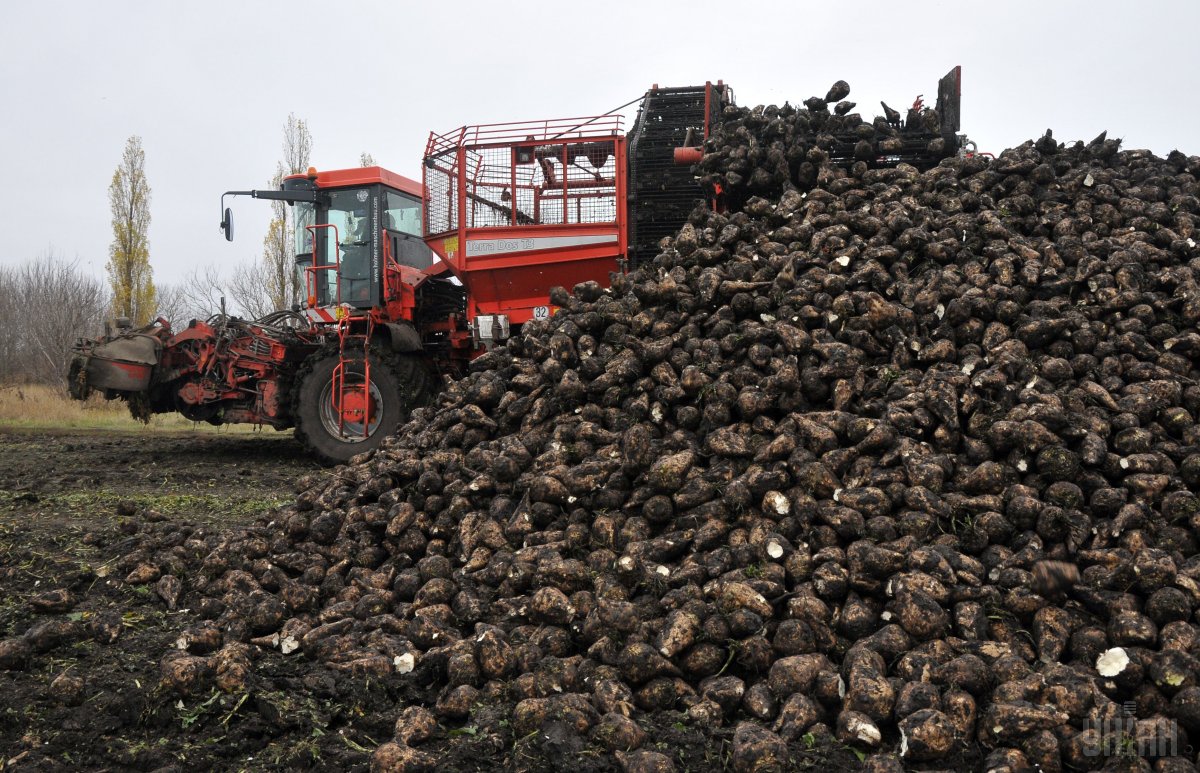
(208, 86)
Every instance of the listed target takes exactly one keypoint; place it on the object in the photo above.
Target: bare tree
(47, 304)
(243, 290)
(175, 306)
(202, 291)
(366, 159)
(11, 326)
(281, 281)
(246, 288)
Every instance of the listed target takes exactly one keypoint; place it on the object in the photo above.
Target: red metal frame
(356, 402)
(310, 272)
(228, 373)
(509, 269)
(549, 130)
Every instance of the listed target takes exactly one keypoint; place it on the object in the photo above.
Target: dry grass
(36, 406)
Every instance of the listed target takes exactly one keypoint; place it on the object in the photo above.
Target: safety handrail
(584, 127)
(310, 279)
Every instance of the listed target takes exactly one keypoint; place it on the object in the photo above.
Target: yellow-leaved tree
(283, 283)
(129, 270)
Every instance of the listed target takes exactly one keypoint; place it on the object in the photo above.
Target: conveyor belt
(661, 193)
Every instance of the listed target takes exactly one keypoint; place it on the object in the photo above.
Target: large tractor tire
(367, 415)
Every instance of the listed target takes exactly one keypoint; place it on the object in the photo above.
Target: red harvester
(406, 282)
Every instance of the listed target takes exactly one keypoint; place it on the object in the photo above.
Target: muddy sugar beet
(895, 460)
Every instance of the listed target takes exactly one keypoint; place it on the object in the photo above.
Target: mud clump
(903, 458)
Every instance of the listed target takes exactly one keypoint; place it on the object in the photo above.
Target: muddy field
(72, 504)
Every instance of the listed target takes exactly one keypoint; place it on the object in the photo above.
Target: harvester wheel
(416, 374)
(368, 410)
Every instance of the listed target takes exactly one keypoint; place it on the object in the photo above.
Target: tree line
(46, 304)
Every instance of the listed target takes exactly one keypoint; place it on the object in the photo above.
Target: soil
(73, 502)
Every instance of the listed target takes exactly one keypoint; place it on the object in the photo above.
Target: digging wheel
(336, 426)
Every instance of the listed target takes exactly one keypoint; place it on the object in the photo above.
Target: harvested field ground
(72, 502)
(60, 494)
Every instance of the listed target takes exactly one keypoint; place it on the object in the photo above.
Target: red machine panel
(516, 209)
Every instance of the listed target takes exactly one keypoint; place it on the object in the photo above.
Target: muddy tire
(397, 385)
(415, 373)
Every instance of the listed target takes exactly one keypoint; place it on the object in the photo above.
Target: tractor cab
(358, 222)
(356, 234)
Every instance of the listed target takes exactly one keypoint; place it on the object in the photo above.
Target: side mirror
(227, 225)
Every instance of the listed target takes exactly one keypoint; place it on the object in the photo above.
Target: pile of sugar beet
(906, 459)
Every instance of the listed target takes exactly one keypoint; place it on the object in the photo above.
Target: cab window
(403, 214)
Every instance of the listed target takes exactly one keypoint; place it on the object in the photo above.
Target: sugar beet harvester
(406, 282)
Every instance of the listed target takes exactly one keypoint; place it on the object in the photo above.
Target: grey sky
(208, 86)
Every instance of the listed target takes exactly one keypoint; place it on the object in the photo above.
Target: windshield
(348, 212)
(345, 238)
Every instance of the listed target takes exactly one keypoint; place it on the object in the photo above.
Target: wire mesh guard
(561, 172)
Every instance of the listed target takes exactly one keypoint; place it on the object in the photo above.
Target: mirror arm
(289, 196)
(313, 196)
(225, 224)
